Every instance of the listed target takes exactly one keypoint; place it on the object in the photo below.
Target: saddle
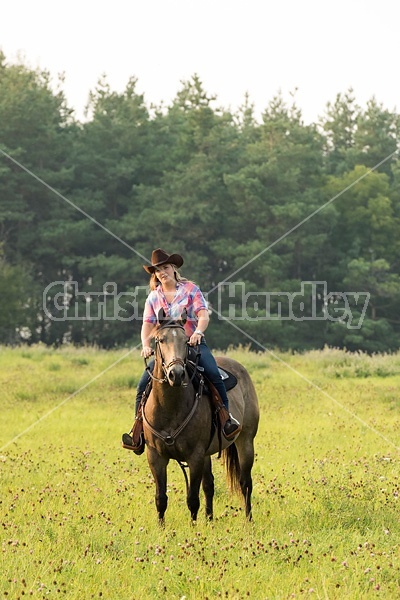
(219, 412)
(196, 372)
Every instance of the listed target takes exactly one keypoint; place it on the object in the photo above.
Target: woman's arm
(146, 335)
(203, 320)
(202, 324)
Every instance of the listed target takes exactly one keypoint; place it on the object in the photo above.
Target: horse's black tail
(231, 462)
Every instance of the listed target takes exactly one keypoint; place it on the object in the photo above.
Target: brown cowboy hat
(160, 257)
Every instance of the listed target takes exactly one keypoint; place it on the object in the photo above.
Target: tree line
(275, 218)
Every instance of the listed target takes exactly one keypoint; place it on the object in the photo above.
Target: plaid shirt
(188, 296)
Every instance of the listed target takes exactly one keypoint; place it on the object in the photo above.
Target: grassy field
(77, 511)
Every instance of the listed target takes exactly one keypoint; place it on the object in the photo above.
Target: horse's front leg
(208, 487)
(196, 475)
(158, 466)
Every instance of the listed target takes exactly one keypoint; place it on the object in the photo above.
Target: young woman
(173, 293)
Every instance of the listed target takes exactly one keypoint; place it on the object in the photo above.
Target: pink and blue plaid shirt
(188, 296)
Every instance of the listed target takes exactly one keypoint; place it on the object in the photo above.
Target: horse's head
(171, 348)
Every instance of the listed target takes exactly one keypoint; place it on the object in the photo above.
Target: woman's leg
(143, 381)
(135, 440)
(231, 427)
(207, 361)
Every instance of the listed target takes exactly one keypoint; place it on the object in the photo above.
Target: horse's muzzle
(176, 375)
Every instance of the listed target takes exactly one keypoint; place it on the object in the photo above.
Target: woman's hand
(195, 338)
(146, 351)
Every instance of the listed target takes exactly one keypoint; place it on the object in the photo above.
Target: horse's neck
(171, 401)
(164, 394)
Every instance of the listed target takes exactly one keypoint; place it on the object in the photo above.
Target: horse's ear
(183, 318)
(161, 316)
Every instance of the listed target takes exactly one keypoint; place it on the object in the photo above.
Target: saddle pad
(228, 378)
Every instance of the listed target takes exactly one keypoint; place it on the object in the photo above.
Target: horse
(178, 425)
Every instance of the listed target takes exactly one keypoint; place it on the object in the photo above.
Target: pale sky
(235, 46)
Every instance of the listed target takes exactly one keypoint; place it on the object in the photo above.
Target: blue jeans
(207, 361)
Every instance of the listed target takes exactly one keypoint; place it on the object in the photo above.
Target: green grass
(77, 511)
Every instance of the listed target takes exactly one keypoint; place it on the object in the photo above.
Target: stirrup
(127, 442)
(232, 434)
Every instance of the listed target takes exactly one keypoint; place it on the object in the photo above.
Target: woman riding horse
(174, 294)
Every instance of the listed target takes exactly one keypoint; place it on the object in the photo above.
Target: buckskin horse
(178, 424)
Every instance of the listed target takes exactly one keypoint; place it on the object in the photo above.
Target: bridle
(176, 360)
